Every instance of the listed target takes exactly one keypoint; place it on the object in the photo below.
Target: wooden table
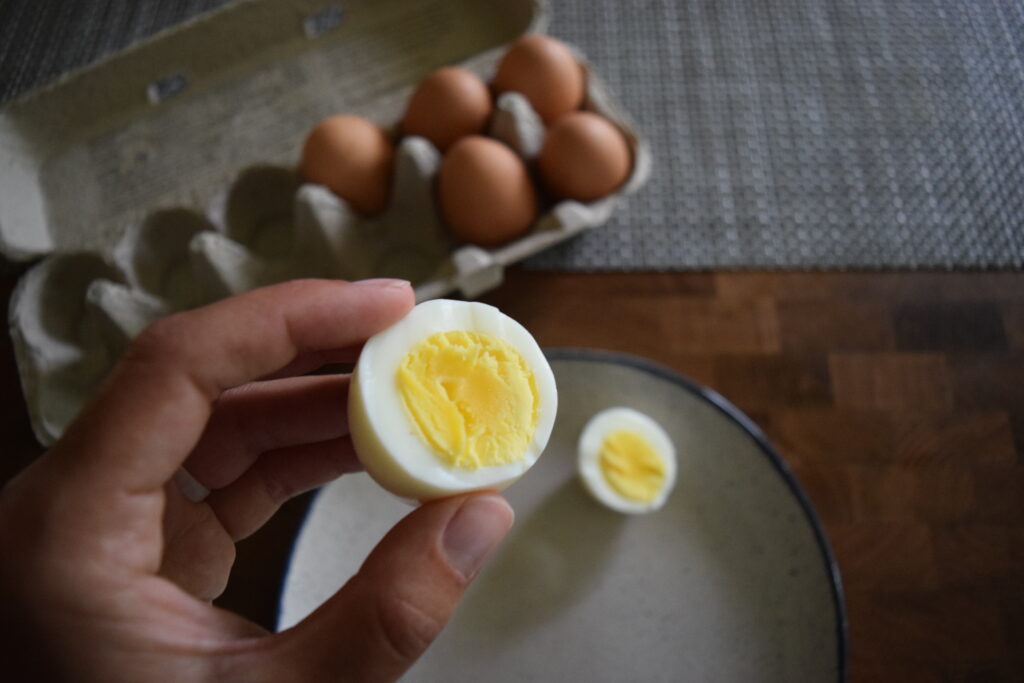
(897, 398)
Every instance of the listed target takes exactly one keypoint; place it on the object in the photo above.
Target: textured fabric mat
(787, 133)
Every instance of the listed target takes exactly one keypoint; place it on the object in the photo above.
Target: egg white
(383, 434)
(589, 451)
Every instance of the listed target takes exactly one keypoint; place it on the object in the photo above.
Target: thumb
(383, 619)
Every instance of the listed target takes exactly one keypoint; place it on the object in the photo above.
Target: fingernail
(383, 283)
(475, 532)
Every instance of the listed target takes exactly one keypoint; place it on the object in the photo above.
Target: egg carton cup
(74, 313)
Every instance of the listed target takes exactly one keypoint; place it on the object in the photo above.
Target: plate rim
(727, 408)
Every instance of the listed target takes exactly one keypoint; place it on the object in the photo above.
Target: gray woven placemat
(787, 133)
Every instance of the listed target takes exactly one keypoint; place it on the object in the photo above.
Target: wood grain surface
(898, 399)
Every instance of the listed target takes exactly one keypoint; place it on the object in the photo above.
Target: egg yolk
(471, 396)
(631, 466)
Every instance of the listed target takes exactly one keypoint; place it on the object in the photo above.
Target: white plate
(732, 581)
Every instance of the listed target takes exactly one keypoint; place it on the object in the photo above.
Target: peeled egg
(584, 157)
(626, 460)
(450, 103)
(454, 397)
(485, 192)
(545, 72)
(353, 158)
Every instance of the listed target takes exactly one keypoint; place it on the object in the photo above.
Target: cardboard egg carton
(230, 213)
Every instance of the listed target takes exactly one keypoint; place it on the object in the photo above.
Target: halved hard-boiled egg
(454, 397)
(626, 460)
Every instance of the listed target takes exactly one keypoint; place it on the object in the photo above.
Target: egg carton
(73, 314)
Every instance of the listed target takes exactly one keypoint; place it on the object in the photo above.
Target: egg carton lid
(171, 120)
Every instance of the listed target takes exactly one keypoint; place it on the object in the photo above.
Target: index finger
(153, 408)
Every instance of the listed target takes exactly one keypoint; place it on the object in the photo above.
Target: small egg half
(454, 397)
(626, 461)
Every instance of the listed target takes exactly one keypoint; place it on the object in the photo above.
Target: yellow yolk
(631, 466)
(471, 396)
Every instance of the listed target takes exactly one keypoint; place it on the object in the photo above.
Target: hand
(107, 570)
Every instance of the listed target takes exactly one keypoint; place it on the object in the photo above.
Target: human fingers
(264, 416)
(315, 360)
(383, 619)
(153, 408)
(197, 551)
(247, 503)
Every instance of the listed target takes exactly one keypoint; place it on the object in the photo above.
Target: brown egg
(485, 192)
(584, 157)
(353, 158)
(450, 103)
(545, 71)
